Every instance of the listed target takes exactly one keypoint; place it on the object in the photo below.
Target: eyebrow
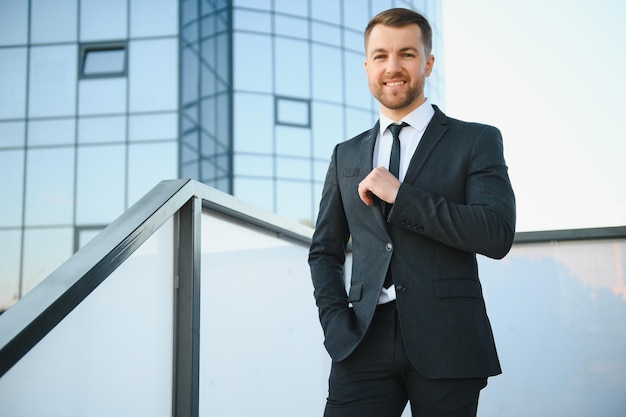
(405, 49)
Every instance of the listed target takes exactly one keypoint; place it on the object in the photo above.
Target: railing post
(187, 310)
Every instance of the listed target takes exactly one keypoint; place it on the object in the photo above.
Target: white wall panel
(558, 311)
(112, 355)
(261, 345)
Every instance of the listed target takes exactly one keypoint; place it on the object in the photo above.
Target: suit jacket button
(420, 228)
(400, 289)
(388, 247)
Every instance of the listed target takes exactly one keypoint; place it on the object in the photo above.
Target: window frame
(280, 122)
(86, 48)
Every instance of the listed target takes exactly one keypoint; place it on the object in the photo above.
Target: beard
(397, 99)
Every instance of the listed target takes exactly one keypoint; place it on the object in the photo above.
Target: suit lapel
(435, 130)
(366, 157)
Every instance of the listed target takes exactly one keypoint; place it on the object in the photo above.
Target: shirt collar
(418, 118)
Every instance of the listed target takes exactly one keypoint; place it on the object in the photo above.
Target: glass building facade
(101, 100)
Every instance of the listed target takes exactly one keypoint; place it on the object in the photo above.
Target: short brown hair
(400, 17)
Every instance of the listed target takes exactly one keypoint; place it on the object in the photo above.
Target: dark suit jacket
(456, 201)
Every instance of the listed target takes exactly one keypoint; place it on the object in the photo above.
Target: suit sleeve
(326, 260)
(484, 222)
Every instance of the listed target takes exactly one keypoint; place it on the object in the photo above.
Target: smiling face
(397, 67)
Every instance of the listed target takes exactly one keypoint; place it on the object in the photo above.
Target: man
(426, 337)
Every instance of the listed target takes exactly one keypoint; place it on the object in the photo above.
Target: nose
(393, 65)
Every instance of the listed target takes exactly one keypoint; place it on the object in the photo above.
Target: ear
(430, 63)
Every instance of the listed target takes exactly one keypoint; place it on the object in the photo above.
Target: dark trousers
(377, 380)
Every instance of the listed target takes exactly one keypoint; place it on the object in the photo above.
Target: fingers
(380, 183)
(365, 195)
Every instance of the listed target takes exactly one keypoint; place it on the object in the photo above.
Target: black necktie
(394, 168)
(394, 160)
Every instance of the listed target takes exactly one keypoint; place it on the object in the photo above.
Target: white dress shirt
(410, 137)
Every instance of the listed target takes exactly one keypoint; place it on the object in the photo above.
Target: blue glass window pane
(14, 22)
(254, 4)
(291, 7)
(259, 192)
(252, 21)
(293, 200)
(44, 251)
(324, 33)
(104, 61)
(293, 141)
(355, 16)
(11, 187)
(291, 26)
(254, 166)
(209, 169)
(53, 21)
(153, 18)
(189, 11)
(223, 61)
(254, 127)
(52, 87)
(10, 244)
(327, 73)
(222, 23)
(357, 89)
(292, 112)
(52, 132)
(327, 11)
(103, 20)
(292, 68)
(215, 18)
(382, 5)
(317, 193)
(12, 134)
(100, 168)
(205, 29)
(12, 83)
(209, 118)
(328, 129)
(293, 168)
(153, 127)
(102, 96)
(319, 172)
(148, 165)
(190, 32)
(49, 186)
(153, 75)
(434, 88)
(358, 120)
(189, 151)
(191, 170)
(210, 146)
(101, 129)
(190, 68)
(224, 132)
(253, 62)
(355, 42)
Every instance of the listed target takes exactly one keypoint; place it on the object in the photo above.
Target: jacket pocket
(458, 288)
(356, 288)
